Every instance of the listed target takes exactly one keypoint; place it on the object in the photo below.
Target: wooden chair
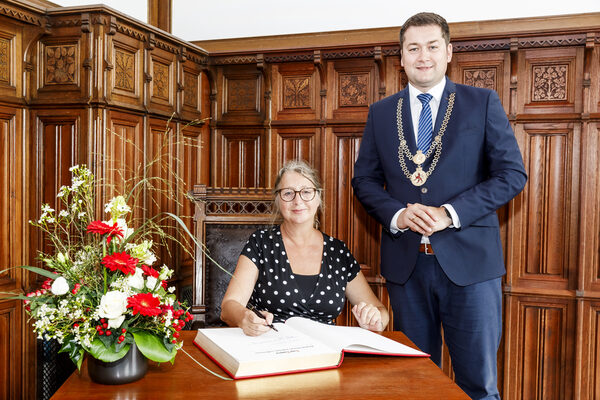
(224, 218)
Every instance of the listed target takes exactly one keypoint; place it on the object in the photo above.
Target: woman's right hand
(253, 325)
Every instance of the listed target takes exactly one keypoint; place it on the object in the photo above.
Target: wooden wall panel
(297, 144)
(587, 379)
(353, 87)
(541, 363)
(10, 350)
(549, 242)
(7, 181)
(296, 91)
(122, 154)
(548, 79)
(489, 70)
(241, 154)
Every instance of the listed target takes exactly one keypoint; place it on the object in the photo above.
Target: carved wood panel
(241, 94)
(590, 217)
(488, 70)
(296, 91)
(57, 149)
(548, 80)
(539, 334)
(346, 218)
(122, 156)
(7, 176)
(587, 378)
(353, 87)
(10, 350)
(297, 144)
(162, 189)
(551, 207)
(126, 81)
(241, 158)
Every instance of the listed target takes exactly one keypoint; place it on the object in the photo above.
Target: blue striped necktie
(425, 130)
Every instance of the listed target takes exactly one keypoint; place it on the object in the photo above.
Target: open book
(300, 345)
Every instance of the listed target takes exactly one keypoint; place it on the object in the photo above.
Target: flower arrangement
(102, 293)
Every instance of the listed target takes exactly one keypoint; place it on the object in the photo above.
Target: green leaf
(100, 352)
(39, 271)
(79, 359)
(152, 347)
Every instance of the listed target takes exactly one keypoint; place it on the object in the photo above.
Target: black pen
(255, 311)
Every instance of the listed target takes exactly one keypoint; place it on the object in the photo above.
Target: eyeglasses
(289, 194)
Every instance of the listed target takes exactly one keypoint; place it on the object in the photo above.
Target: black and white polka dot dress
(280, 291)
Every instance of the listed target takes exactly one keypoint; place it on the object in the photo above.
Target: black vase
(128, 369)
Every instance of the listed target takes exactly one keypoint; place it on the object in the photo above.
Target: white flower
(117, 207)
(142, 252)
(63, 213)
(59, 286)
(151, 282)
(113, 305)
(171, 289)
(136, 280)
(61, 258)
(116, 322)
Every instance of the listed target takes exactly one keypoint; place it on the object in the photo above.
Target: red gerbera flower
(105, 229)
(120, 261)
(145, 304)
(149, 271)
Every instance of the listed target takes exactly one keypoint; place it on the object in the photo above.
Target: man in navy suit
(436, 161)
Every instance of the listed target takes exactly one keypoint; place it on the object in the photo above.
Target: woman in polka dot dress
(293, 269)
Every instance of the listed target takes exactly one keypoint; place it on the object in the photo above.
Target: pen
(258, 313)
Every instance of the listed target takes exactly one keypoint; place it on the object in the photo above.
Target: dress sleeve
(352, 266)
(253, 249)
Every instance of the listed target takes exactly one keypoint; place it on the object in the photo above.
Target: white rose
(151, 282)
(116, 322)
(59, 286)
(136, 280)
(113, 305)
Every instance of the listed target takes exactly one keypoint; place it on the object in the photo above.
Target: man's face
(425, 56)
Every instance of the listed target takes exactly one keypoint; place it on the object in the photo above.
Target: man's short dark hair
(424, 19)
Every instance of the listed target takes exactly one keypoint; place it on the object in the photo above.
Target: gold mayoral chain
(419, 177)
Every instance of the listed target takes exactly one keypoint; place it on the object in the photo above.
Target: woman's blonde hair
(303, 168)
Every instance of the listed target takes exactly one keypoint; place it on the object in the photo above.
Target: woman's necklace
(419, 176)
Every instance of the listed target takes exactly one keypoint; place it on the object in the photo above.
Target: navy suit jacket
(479, 170)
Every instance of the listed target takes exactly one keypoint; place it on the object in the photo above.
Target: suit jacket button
(424, 190)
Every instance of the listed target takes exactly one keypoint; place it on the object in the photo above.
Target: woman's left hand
(368, 316)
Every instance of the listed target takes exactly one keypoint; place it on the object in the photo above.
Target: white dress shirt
(415, 110)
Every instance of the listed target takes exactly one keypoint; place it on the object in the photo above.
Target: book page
(352, 338)
(286, 343)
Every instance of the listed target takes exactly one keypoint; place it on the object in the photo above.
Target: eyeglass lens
(306, 194)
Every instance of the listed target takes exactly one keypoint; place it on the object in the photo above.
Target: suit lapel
(450, 88)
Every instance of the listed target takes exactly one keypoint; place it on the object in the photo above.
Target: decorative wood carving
(242, 156)
(242, 93)
(550, 82)
(160, 80)
(125, 70)
(297, 92)
(354, 90)
(480, 77)
(61, 64)
(190, 89)
(5, 61)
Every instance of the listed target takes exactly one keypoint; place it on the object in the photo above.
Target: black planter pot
(130, 368)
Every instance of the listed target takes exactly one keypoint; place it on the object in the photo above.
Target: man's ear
(449, 52)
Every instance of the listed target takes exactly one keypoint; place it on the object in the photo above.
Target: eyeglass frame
(298, 192)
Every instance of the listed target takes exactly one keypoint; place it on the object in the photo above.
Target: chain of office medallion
(437, 143)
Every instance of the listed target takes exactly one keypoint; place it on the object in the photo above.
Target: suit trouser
(471, 317)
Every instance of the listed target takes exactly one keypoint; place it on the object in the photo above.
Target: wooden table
(359, 377)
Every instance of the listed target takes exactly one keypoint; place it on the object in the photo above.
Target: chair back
(224, 219)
